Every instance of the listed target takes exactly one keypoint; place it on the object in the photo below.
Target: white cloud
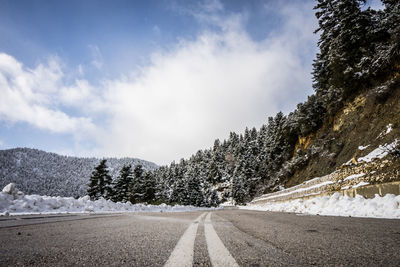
(188, 96)
(30, 95)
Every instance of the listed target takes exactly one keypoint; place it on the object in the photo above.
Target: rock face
(363, 178)
(366, 122)
(38, 172)
(357, 152)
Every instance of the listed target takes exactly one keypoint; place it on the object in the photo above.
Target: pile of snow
(228, 203)
(15, 202)
(338, 205)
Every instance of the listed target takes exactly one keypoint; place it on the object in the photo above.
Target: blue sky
(156, 80)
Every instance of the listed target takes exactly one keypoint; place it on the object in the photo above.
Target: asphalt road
(219, 238)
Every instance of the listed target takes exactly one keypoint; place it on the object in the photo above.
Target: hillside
(354, 110)
(39, 172)
(368, 121)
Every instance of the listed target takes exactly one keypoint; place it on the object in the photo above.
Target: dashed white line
(218, 253)
(184, 250)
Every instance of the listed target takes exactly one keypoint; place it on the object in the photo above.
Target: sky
(156, 80)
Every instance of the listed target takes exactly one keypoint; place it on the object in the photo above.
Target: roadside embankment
(364, 187)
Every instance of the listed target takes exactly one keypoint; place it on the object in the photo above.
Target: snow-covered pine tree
(100, 182)
(178, 194)
(343, 28)
(391, 23)
(213, 174)
(162, 185)
(194, 195)
(149, 187)
(122, 184)
(239, 185)
(137, 189)
(214, 199)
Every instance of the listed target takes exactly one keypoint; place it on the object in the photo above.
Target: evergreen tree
(342, 40)
(391, 23)
(149, 187)
(100, 182)
(213, 175)
(178, 195)
(137, 186)
(214, 200)
(162, 185)
(123, 184)
(239, 188)
(193, 190)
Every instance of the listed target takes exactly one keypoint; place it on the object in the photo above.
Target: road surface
(216, 238)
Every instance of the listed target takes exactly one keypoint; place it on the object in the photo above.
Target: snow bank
(15, 202)
(338, 205)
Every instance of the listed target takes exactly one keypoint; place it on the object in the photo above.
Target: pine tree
(162, 185)
(100, 182)
(122, 184)
(213, 175)
(342, 41)
(239, 186)
(149, 187)
(214, 199)
(178, 194)
(392, 25)
(137, 186)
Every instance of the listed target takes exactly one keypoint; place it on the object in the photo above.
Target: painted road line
(184, 250)
(218, 253)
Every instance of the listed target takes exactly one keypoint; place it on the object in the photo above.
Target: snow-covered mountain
(39, 172)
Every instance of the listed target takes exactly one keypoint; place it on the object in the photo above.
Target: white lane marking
(184, 250)
(219, 255)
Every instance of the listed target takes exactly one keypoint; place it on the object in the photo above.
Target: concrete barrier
(367, 191)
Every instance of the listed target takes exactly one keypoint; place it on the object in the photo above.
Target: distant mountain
(39, 172)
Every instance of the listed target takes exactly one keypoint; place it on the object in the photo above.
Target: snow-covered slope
(39, 172)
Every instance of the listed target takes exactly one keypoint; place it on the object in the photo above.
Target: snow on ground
(337, 205)
(380, 152)
(363, 147)
(14, 202)
(389, 128)
(360, 184)
(228, 203)
(354, 176)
